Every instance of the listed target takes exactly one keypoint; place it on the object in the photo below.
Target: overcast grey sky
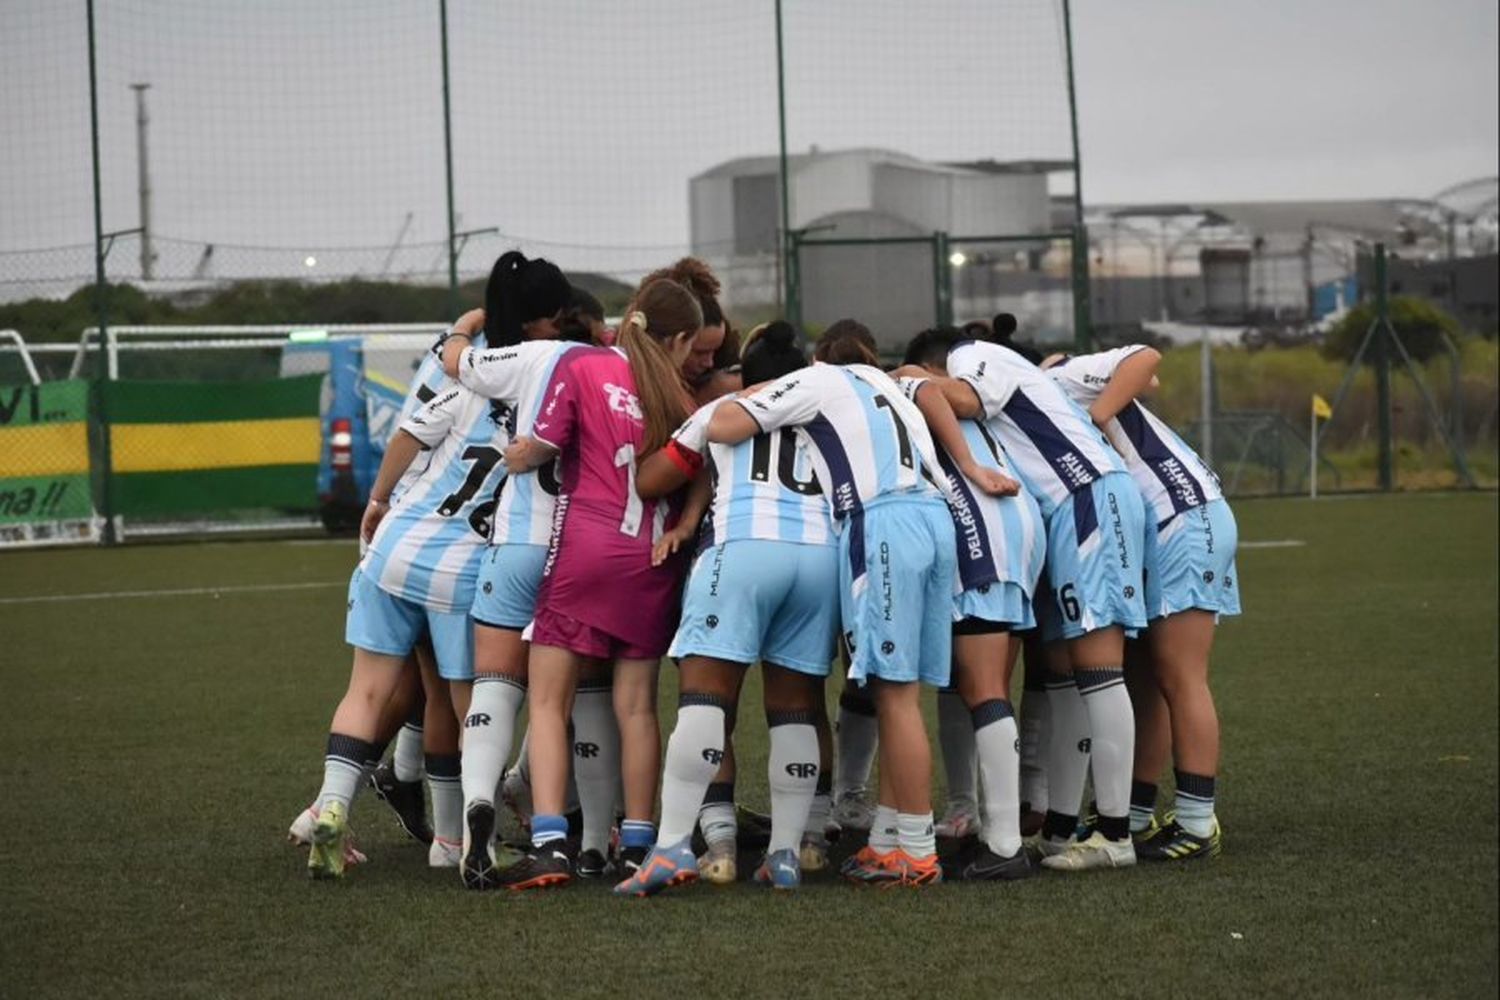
(307, 123)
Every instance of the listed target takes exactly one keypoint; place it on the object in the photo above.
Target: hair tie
(637, 318)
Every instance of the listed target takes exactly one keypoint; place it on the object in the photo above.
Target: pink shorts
(553, 628)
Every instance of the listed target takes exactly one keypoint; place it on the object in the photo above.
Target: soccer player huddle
(565, 505)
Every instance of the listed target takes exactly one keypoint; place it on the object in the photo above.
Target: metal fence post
(1383, 368)
(101, 299)
(448, 168)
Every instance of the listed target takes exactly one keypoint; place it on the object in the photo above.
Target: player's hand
(522, 455)
(668, 545)
(375, 512)
(991, 481)
(470, 322)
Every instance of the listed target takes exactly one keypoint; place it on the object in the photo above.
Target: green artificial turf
(154, 749)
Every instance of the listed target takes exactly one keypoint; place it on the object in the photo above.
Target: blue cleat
(663, 867)
(780, 870)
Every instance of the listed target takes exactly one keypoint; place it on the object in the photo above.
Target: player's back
(767, 489)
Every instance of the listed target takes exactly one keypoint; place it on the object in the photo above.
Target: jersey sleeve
(557, 423)
(791, 400)
(426, 382)
(693, 434)
(432, 421)
(989, 377)
(504, 372)
(1084, 377)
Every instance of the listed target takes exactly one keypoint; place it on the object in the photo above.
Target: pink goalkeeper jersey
(599, 568)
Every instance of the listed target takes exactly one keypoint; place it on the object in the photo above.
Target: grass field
(155, 747)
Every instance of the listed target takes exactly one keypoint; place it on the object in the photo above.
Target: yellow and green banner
(185, 447)
(44, 452)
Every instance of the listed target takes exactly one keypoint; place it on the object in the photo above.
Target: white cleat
(301, 830)
(445, 853)
(719, 864)
(852, 810)
(1098, 851)
(960, 820)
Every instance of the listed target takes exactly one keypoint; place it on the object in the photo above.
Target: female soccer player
(601, 599)
(1001, 546)
(699, 366)
(760, 591)
(1095, 533)
(1190, 582)
(875, 460)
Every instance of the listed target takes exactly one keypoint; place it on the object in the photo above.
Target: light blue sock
(637, 833)
(548, 829)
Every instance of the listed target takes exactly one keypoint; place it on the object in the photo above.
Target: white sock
(1112, 728)
(406, 760)
(1036, 713)
(1067, 747)
(446, 789)
(716, 817)
(956, 739)
(693, 754)
(596, 764)
(857, 737)
(523, 756)
(343, 769)
(818, 815)
(884, 834)
(999, 770)
(793, 773)
(1195, 803)
(489, 729)
(915, 836)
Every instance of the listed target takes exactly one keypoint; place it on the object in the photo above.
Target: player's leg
(856, 736)
(489, 729)
(1067, 750)
(596, 765)
(399, 782)
(1035, 725)
(1153, 737)
(552, 676)
(814, 851)
(718, 816)
(1180, 645)
(956, 741)
(792, 769)
(640, 753)
(441, 762)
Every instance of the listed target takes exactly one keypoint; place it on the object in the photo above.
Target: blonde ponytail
(662, 310)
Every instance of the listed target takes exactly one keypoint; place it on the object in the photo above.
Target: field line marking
(251, 588)
(1279, 543)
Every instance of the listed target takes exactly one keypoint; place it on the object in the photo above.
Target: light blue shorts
(1190, 563)
(1095, 555)
(509, 576)
(751, 600)
(1005, 603)
(897, 560)
(383, 623)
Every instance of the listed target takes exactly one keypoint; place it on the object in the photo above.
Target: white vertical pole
(1312, 452)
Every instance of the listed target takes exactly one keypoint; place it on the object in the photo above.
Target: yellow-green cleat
(329, 834)
(1176, 844)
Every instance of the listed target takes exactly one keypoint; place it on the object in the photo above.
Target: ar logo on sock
(803, 770)
(712, 621)
(1085, 745)
(713, 756)
(586, 750)
(477, 719)
(888, 647)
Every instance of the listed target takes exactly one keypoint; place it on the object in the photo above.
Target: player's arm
(526, 453)
(963, 401)
(399, 454)
(686, 528)
(677, 462)
(790, 400)
(460, 339)
(1132, 377)
(944, 426)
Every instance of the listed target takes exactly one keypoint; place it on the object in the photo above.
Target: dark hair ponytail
(519, 291)
(772, 353)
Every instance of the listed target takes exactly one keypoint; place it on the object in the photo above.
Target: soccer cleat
(406, 801)
(593, 864)
(981, 864)
(515, 792)
(539, 868)
(477, 866)
(1098, 851)
(1042, 846)
(960, 820)
(780, 870)
(330, 835)
(852, 810)
(813, 854)
(915, 872)
(1150, 833)
(868, 866)
(631, 859)
(1176, 844)
(663, 867)
(301, 830)
(719, 863)
(444, 853)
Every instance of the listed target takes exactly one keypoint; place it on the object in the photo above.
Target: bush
(1418, 323)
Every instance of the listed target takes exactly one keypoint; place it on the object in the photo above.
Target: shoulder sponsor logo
(622, 400)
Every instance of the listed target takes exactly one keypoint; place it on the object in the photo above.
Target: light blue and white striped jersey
(427, 548)
(518, 376)
(427, 381)
(765, 488)
(868, 440)
(1171, 475)
(1054, 446)
(1000, 539)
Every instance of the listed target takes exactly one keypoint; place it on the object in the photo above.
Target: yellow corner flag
(1320, 407)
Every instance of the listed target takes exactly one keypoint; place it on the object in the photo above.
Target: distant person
(583, 319)
(1003, 328)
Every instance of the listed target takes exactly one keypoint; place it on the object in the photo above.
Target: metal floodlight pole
(1382, 347)
(143, 170)
(790, 290)
(101, 296)
(448, 168)
(1082, 321)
